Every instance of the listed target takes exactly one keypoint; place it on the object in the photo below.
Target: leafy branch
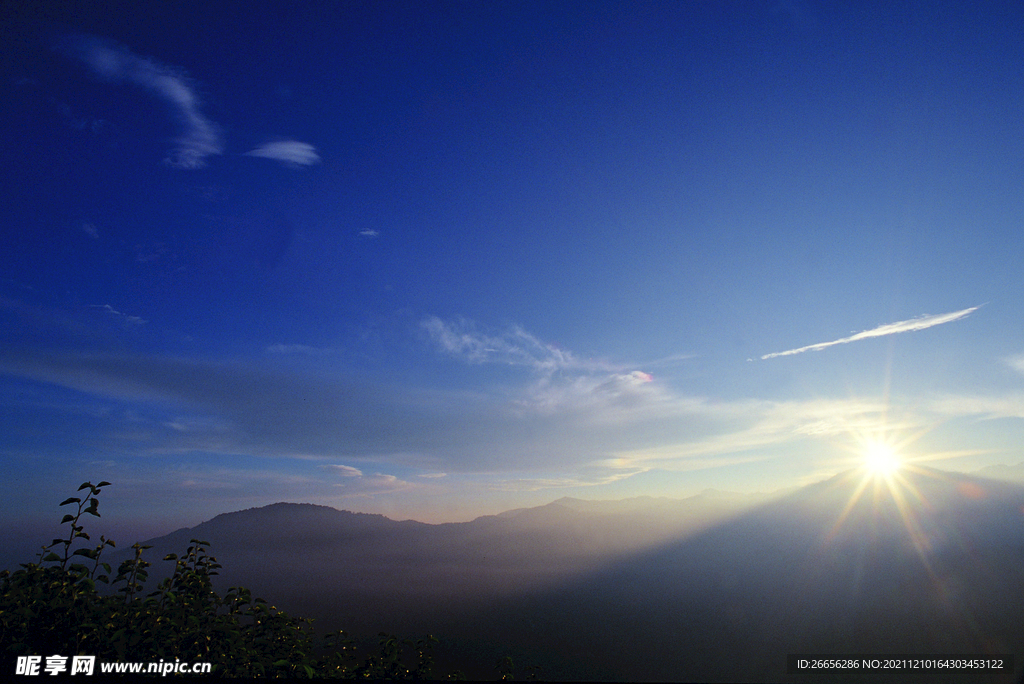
(53, 606)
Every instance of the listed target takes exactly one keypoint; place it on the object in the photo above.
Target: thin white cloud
(366, 486)
(1016, 363)
(125, 318)
(995, 406)
(290, 152)
(558, 429)
(598, 478)
(369, 232)
(912, 325)
(200, 138)
(344, 470)
(514, 347)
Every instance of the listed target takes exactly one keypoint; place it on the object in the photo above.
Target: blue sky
(437, 260)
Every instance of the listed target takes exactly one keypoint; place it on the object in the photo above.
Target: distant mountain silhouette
(711, 588)
(367, 573)
(938, 568)
(1011, 473)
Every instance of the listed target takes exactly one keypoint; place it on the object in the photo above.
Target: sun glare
(886, 484)
(881, 459)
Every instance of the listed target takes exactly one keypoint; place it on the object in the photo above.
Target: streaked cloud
(358, 485)
(596, 479)
(993, 406)
(912, 325)
(513, 346)
(200, 138)
(344, 470)
(564, 423)
(369, 232)
(255, 409)
(123, 317)
(290, 152)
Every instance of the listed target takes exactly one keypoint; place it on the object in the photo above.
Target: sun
(881, 459)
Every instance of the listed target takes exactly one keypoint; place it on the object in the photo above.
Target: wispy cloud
(598, 477)
(993, 406)
(1016, 363)
(125, 318)
(513, 346)
(914, 324)
(586, 424)
(344, 470)
(290, 152)
(356, 484)
(200, 138)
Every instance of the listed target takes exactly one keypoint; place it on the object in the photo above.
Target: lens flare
(886, 484)
(881, 459)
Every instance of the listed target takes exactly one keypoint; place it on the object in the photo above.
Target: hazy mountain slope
(1010, 473)
(702, 589)
(367, 572)
(943, 575)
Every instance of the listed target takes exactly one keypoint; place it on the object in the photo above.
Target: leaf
(72, 499)
(104, 483)
(84, 485)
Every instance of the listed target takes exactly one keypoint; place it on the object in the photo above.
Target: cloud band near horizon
(911, 325)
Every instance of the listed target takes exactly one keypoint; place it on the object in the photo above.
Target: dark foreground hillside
(706, 589)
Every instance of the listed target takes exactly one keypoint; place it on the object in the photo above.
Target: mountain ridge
(853, 563)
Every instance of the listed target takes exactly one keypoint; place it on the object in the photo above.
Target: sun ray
(886, 468)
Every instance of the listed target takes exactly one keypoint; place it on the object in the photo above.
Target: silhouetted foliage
(53, 606)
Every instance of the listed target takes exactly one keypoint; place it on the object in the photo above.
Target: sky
(443, 259)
